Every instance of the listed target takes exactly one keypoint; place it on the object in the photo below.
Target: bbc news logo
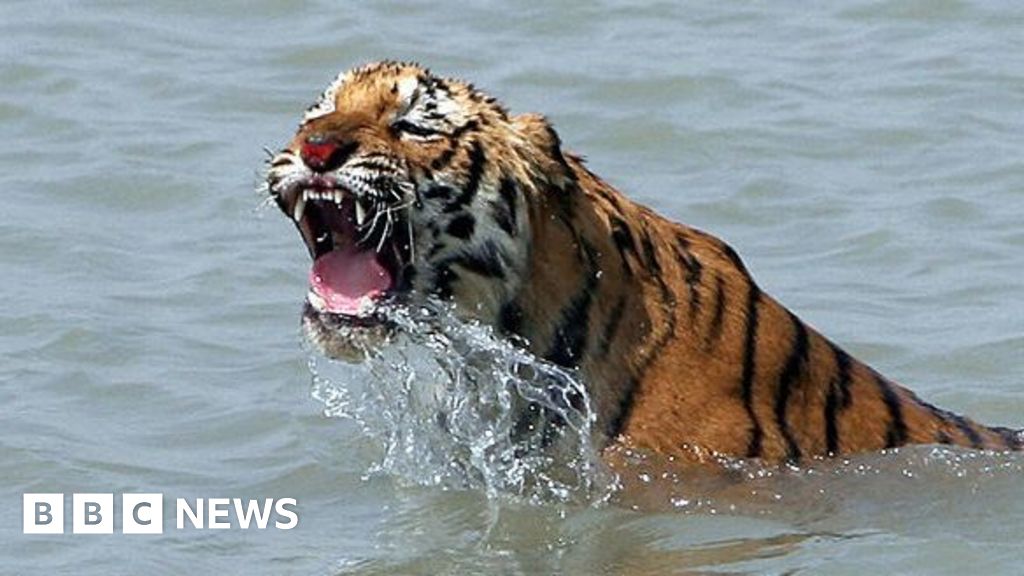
(144, 513)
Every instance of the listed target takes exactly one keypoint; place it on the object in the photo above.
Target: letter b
(92, 514)
(43, 514)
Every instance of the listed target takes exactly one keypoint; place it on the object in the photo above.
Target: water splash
(454, 405)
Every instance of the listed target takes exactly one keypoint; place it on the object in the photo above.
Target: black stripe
(788, 379)
(444, 278)
(626, 402)
(570, 336)
(843, 365)
(444, 159)
(611, 197)
(563, 200)
(556, 153)
(462, 226)
(959, 421)
(694, 271)
(972, 435)
(477, 160)
(650, 254)
(723, 248)
(630, 387)
(279, 161)
(468, 126)
(831, 430)
(400, 127)
(715, 330)
(614, 320)
(435, 192)
(733, 257)
(510, 319)
(838, 397)
(406, 278)
(747, 380)
(896, 432)
(628, 398)
(942, 438)
(1011, 438)
(488, 261)
(505, 210)
(436, 249)
(338, 157)
(624, 243)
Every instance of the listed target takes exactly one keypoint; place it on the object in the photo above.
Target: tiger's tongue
(344, 277)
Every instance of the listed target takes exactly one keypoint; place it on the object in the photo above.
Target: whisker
(367, 234)
(372, 224)
(384, 235)
(377, 212)
(266, 203)
(391, 209)
(412, 242)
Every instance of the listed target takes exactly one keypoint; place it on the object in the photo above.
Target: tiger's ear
(547, 148)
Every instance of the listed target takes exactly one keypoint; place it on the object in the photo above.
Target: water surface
(864, 158)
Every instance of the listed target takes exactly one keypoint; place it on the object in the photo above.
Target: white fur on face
(325, 104)
(407, 89)
(429, 106)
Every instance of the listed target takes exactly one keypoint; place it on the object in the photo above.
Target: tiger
(404, 184)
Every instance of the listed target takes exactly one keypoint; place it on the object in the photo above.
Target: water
(444, 401)
(864, 158)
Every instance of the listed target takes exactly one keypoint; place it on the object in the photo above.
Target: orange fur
(702, 376)
(680, 350)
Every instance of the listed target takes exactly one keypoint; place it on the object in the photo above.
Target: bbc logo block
(43, 514)
(93, 513)
(142, 513)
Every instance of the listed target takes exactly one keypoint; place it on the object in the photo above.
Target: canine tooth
(360, 213)
(300, 207)
(318, 303)
(337, 196)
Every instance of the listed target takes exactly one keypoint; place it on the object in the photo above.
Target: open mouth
(359, 247)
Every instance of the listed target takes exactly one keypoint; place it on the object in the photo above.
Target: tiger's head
(405, 185)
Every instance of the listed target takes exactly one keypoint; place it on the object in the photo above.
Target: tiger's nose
(321, 153)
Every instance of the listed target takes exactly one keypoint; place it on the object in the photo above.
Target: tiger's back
(703, 362)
